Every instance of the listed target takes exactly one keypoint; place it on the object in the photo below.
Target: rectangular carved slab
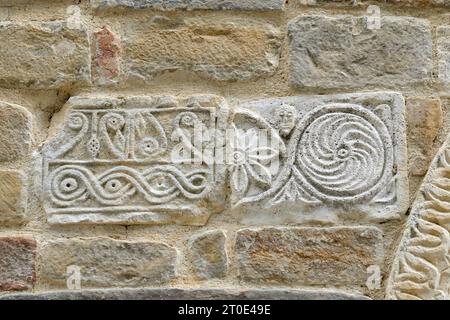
(325, 159)
(340, 157)
(113, 162)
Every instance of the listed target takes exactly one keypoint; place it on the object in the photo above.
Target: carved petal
(263, 154)
(239, 179)
(259, 173)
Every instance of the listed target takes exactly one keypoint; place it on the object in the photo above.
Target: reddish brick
(107, 55)
(17, 263)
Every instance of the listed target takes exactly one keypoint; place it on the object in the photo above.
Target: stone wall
(224, 149)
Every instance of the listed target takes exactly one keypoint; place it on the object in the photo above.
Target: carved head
(286, 118)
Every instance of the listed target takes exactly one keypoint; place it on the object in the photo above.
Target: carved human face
(286, 118)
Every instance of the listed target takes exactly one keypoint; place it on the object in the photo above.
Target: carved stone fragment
(134, 160)
(421, 269)
(330, 157)
(299, 159)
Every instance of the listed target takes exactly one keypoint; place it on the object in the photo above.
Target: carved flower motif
(248, 160)
(93, 146)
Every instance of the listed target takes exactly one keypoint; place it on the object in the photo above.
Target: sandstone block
(43, 55)
(13, 197)
(258, 5)
(424, 121)
(208, 255)
(217, 49)
(15, 132)
(308, 256)
(341, 51)
(17, 263)
(108, 263)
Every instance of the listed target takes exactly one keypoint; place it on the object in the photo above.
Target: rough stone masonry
(208, 149)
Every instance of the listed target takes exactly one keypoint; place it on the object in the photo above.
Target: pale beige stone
(43, 55)
(15, 132)
(13, 197)
(208, 255)
(105, 262)
(308, 256)
(424, 116)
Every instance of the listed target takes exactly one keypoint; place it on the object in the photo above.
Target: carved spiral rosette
(343, 151)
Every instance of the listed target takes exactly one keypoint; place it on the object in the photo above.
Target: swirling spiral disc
(344, 152)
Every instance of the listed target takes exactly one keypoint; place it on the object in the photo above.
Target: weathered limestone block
(135, 160)
(258, 5)
(443, 53)
(232, 49)
(325, 159)
(13, 197)
(105, 262)
(421, 269)
(43, 55)
(17, 263)
(341, 51)
(424, 120)
(15, 131)
(308, 256)
(208, 255)
(188, 294)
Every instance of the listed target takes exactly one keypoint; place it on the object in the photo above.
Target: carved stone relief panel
(339, 157)
(421, 269)
(134, 160)
(161, 160)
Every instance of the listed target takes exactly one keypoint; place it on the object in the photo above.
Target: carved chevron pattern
(423, 270)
